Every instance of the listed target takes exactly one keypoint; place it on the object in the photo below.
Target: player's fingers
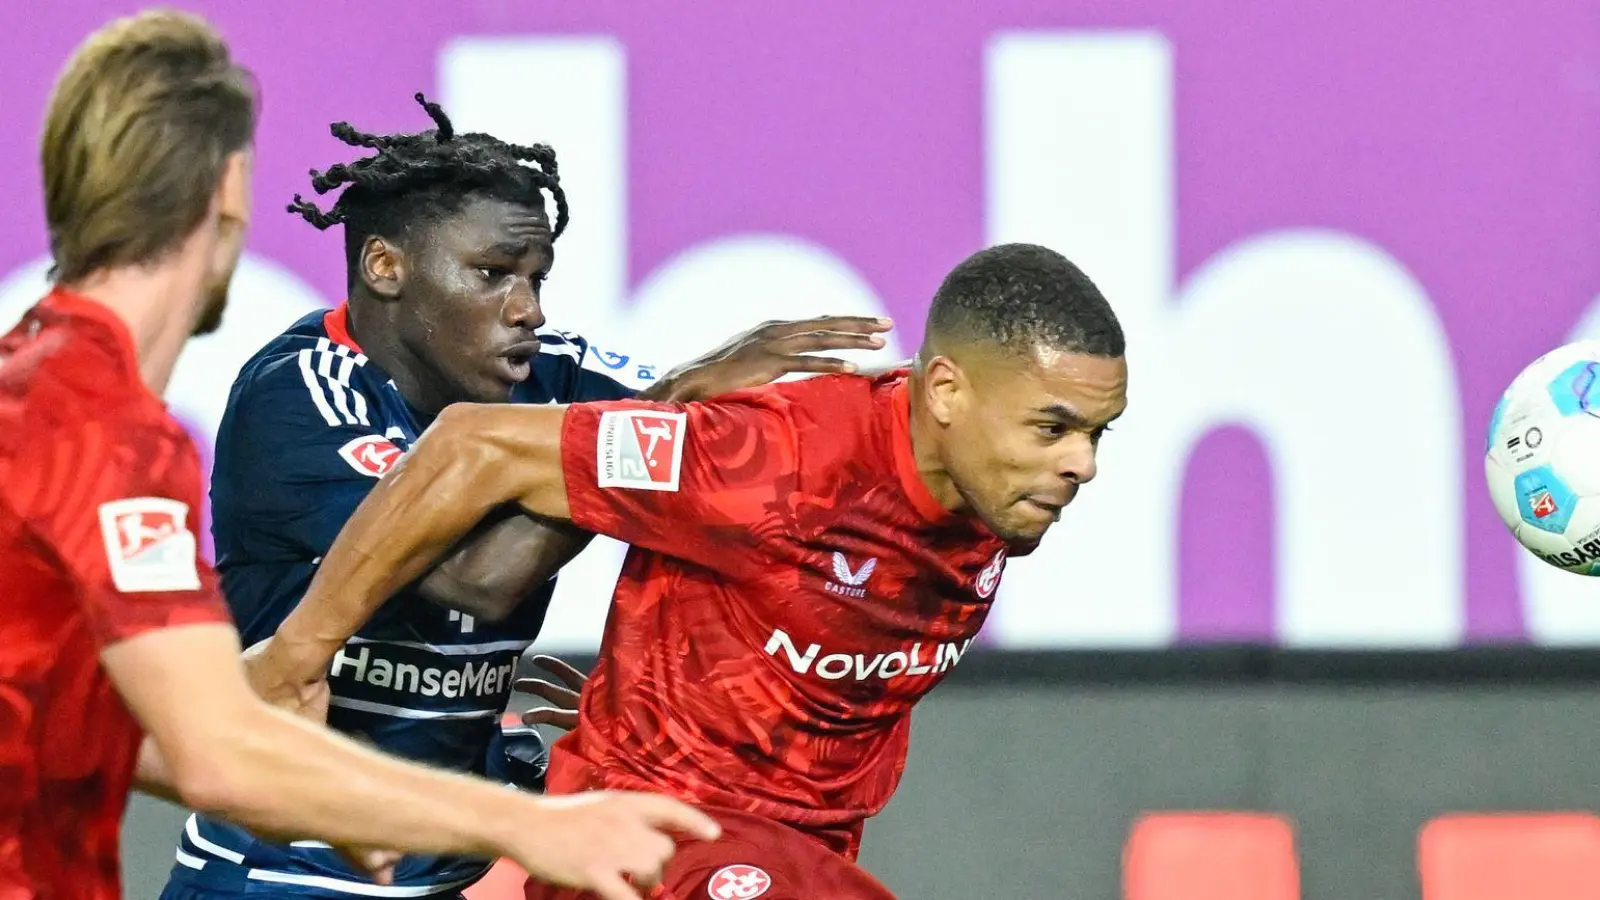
(555, 693)
(561, 718)
(875, 371)
(680, 818)
(788, 365)
(858, 324)
(645, 879)
(813, 341)
(377, 864)
(571, 676)
(611, 886)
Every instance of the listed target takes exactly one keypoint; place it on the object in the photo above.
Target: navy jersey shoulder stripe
(326, 369)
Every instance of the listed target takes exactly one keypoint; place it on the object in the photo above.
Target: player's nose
(522, 308)
(1077, 460)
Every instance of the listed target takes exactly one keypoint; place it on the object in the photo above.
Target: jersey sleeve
(694, 481)
(606, 374)
(117, 503)
(300, 446)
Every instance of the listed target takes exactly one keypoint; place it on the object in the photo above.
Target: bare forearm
(471, 461)
(289, 779)
(152, 775)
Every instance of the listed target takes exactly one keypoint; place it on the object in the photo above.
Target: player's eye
(492, 273)
(1051, 430)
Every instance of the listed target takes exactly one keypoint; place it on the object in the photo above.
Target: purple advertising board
(1335, 232)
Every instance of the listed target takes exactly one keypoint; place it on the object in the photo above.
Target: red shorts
(754, 858)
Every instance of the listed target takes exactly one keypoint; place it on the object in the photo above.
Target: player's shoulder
(570, 368)
(838, 402)
(69, 367)
(831, 417)
(303, 348)
(620, 365)
(304, 373)
(557, 369)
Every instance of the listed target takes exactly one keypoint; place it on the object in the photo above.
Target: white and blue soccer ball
(1543, 458)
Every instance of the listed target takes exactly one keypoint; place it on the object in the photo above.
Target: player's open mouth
(517, 360)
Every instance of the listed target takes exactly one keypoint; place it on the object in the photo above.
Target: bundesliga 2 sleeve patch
(640, 449)
(371, 455)
(149, 545)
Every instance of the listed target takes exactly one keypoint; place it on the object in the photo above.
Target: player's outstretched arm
(473, 459)
(229, 754)
(504, 560)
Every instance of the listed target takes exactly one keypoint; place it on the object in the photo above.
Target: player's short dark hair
(1022, 296)
(412, 178)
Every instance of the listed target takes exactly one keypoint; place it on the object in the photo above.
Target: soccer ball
(1543, 458)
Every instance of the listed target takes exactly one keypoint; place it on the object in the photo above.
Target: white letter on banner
(1320, 343)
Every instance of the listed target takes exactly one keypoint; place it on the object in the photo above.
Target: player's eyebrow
(1071, 418)
(1063, 413)
(513, 249)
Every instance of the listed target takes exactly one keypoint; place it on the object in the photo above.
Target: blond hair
(139, 127)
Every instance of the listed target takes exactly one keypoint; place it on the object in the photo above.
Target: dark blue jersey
(310, 427)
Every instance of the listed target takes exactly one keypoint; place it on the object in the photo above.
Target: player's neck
(380, 342)
(159, 304)
(924, 432)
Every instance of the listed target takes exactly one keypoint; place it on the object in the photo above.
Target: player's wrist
(678, 386)
(301, 656)
(508, 820)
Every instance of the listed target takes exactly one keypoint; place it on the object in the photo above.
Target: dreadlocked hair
(426, 176)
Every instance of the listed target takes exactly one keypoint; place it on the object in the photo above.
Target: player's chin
(493, 384)
(1026, 523)
(211, 318)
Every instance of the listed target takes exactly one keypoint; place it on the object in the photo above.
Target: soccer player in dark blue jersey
(447, 244)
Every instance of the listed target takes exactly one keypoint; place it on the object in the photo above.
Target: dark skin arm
(473, 460)
(510, 554)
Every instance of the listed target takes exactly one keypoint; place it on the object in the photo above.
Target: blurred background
(1334, 233)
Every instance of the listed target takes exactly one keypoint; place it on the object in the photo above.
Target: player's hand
(275, 680)
(563, 713)
(769, 352)
(377, 865)
(611, 843)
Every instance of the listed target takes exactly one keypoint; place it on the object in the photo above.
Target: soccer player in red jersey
(808, 560)
(108, 620)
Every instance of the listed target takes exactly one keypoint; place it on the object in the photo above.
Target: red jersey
(99, 488)
(792, 590)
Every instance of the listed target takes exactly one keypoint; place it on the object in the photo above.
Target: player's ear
(383, 267)
(943, 383)
(233, 189)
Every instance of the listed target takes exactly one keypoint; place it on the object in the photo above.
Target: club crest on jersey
(738, 882)
(149, 545)
(371, 455)
(989, 578)
(847, 581)
(640, 448)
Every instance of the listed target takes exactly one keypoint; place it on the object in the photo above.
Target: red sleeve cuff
(579, 429)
